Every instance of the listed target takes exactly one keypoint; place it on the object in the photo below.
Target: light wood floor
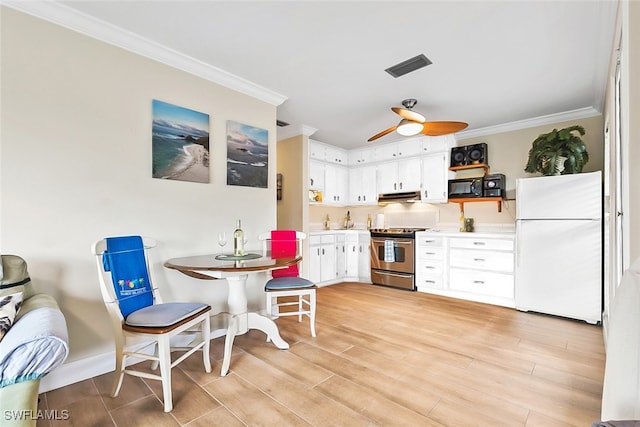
(382, 357)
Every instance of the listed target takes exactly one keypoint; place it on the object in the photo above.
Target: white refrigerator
(559, 245)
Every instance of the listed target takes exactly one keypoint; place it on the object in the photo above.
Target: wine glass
(222, 239)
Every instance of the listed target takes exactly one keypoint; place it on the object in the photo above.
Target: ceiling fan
(413, 123)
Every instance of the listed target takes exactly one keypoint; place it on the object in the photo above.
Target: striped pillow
(9, 307)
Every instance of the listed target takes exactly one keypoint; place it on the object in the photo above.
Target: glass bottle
(238, 240)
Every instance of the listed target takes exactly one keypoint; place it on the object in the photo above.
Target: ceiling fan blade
(408, 114)
(383, 133)
(442, 128)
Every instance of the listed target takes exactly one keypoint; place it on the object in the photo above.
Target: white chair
(287, 282)
(136, 311)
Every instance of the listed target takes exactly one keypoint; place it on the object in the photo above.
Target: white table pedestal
(240, 321)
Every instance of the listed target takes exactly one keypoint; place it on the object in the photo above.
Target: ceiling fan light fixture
(409, 127)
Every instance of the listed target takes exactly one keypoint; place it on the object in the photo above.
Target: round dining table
(235, 269)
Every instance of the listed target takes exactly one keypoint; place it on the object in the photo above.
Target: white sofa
(621, 389)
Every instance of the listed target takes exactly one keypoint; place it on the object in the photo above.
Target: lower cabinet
(430, 262)
(322, 258)
(339, 256)
(478, 267)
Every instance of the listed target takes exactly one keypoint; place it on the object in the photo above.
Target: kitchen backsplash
(445, 216)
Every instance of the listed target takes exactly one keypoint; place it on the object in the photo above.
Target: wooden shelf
(465, 167)
(462, 201)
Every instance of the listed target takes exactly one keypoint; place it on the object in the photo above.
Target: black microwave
(465, 187)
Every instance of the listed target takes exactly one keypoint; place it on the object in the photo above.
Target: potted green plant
(558, 152)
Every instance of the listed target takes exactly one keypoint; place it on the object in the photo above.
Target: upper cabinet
(316, 175)
(361, 156)
(336, 155)
(438, 144)
(435, 176)
(327, 153)
(400, 176)
(397, 150)
(356, 177)
(362, 186)
(316, 150)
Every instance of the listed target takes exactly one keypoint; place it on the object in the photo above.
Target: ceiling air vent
(408, 66)
(281, 124)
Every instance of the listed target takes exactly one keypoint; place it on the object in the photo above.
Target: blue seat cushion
(288, 283)
(159, 315)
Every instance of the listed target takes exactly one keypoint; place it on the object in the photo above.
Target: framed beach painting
(247, 155)
(180, 143)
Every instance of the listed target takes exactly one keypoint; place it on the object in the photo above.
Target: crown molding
(581, 113)
(295, 130)
(82, 23)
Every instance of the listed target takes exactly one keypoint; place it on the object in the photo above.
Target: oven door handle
(404, 276)
(399, 242)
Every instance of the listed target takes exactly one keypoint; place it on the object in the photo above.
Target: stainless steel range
(392, 257)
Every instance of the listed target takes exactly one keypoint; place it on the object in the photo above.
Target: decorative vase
(559, 166)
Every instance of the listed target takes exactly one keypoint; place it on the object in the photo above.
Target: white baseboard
(83, 369)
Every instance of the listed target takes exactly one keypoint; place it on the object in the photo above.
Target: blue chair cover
(125, 259)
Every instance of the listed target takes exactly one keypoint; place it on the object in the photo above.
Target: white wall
(75, 166)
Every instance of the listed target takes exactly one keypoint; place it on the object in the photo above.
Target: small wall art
(279, 186)
(247, 155)
(180, 143)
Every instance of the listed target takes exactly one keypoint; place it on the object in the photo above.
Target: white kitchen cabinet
(483, 267)
(362, 186)
(352, 255)
(364, 256)
(410, 147)
(400, 176)
(430, 261)
(360, 156)
(338, 256)
(316, 150)
(435, 176)
(336, 180)
(316, 175)
(476, 267)
(341, 256)
(322, 258)
(438, 144)
(401, 149)
(336, 155)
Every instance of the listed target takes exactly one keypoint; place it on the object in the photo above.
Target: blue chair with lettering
(136, 311)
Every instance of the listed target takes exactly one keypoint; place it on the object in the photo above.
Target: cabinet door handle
(322, 251)
(429, 267)
(430, 253)
(479, 259)
(478, 282)
(479, 243)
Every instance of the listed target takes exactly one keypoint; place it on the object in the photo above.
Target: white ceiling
(494, 62)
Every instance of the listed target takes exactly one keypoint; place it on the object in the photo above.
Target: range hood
(407, 197)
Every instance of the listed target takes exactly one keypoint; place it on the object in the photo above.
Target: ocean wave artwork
(247, 155)
(180, 143)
